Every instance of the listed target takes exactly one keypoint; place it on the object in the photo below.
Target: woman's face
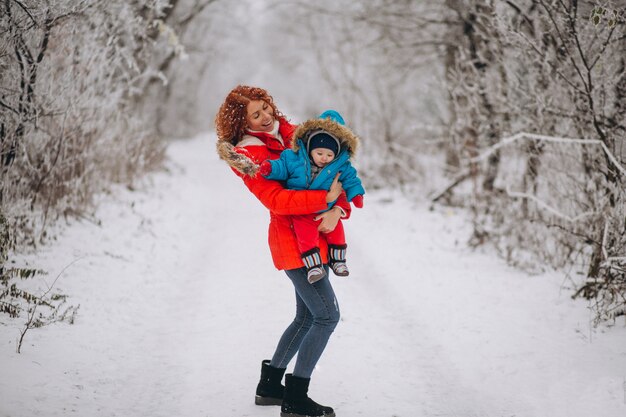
(260, 116)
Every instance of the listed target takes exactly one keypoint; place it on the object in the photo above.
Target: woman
(250, 129)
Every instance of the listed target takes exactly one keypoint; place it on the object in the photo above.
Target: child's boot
(337, 255)
(313, 263)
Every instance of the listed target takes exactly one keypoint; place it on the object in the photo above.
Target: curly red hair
(231, 119)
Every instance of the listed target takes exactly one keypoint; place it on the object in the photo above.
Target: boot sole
(313, 280)
(302, 415)
(258, 400)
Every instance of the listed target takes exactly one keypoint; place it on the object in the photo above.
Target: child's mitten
(266, 168)
(358, 201)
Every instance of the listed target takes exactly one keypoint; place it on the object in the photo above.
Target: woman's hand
(330, 219)
(335, 190)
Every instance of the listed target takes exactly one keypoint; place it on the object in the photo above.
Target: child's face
(322, 156)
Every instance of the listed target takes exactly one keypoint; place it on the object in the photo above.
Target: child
(321, 149)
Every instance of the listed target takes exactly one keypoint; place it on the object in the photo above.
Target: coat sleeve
(286, 202)
(279, 167)
(342, 202)
(351, 182)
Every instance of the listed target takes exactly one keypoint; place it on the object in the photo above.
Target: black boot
(270, 391)
(297, 403)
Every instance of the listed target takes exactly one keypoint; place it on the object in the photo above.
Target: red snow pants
(307, 235)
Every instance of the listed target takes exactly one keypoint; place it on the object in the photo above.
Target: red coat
(282, 202)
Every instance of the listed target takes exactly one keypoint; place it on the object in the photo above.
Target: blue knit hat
(322, 139)
(332, 115)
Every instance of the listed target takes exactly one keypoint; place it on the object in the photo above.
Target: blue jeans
(317, 315)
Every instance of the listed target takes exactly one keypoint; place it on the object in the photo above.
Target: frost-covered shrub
(37, 307)
(555, 196)
(72, 78)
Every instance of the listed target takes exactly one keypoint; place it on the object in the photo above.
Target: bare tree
(563, 81)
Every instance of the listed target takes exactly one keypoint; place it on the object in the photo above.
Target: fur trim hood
(347, 139)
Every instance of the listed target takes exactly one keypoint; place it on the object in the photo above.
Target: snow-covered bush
(20, 298)
(553, 197)
(83, 84)
(72, 73)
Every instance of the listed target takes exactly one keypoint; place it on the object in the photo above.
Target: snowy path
(173, 322)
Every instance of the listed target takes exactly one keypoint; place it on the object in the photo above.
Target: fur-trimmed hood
(347, 139)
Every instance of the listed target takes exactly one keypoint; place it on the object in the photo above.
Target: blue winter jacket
(294, 166)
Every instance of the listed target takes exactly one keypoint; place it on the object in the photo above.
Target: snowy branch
(540, 203)
(532, 136)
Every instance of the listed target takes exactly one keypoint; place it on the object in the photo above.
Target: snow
(179, 303)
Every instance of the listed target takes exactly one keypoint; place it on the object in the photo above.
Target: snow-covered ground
(179, 303)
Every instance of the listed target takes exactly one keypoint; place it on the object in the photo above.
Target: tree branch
(532, 136)
(6, 106)
(198, 8)
(604, 45)
(564, 44)
(25, 9)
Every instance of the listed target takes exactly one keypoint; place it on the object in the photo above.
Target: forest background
(514, 110)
